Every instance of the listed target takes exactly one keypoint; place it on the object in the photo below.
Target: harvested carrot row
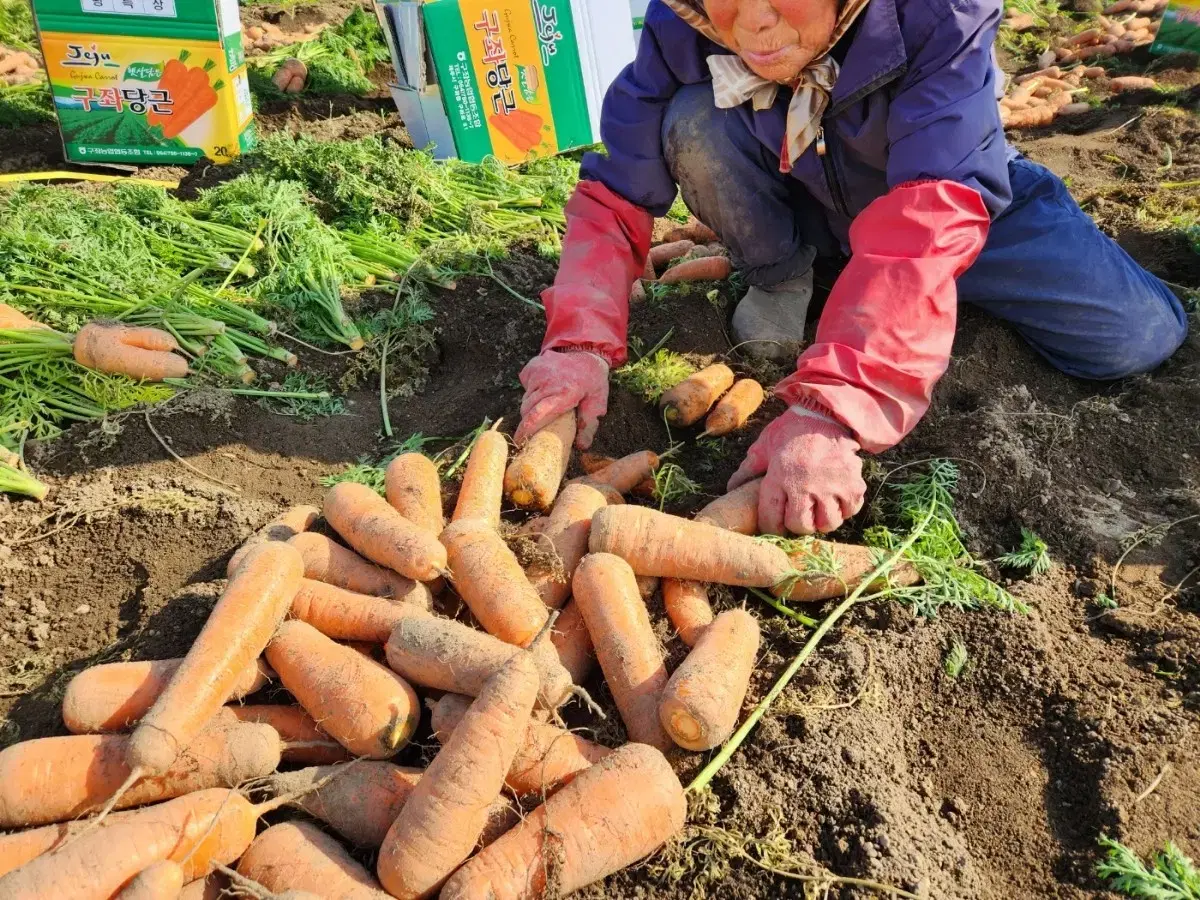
(850, 563)
(367, 708)
(360, 804)
(414, 489)
(162, 880)
(705, 268)
(567, 532)
(572, 643)
(533, 477)
(689, 401)
(656, 543)
(283, 527)
(381, 534)
(255, 601)
(482, 490)
(687, 606)
(304, 741)
(330, 562)
(548, 758)
(625, 474)
(299, 856)
(444, 817)
(695, 231)
(451, 656)
(492, 583)
(613, 814)
(735, 408)
(629, 655)
(702, 701)
(114, 696)
(347, 616)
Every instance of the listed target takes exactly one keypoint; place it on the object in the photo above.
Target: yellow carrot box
(147, 81)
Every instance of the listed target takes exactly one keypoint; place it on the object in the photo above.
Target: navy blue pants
(1070, 290)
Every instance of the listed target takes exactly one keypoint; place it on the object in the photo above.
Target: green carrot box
(1180, 29)
(147, 81)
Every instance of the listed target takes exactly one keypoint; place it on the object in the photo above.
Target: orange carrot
(211, 888)
(15, 320)
(703, 699)
(736, 511)
(381, 534)
(367, 708)
(330, 562)
(298, 855)
(687, 606)
(532, 478)
(735, 408)
(656, 543)
(346, 616)
(360, 804)
(615, 813)
(850, 563)
(114, 696)
(626, 473)
(414, 489)
(628, 651)
(549, 756)
(254, 602)
(283, 527)
(482, 490)
(694, 230)
(451, 656)
(688, 401)
(304, 742)
(137, 352)
(572, 643)
(567, 533)
(59, 778)
(1131, 83)
(492, 583)
(706, 268)
(533, 527)
(665, 253)
(162, 880)
(441, 823)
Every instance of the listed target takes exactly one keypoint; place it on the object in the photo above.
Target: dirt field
(1070, 722)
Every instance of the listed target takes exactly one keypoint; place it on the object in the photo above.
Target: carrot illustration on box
(191, 95)
(522, 129)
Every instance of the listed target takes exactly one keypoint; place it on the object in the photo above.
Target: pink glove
(813, 474)
(558, 381)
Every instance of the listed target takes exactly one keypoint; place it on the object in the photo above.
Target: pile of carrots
(1112, 36)
(18, 66)
(170, 756)
(691, 252)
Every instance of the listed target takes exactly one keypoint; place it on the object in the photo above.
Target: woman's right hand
(557, 381)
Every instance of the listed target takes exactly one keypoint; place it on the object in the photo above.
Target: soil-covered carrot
(451, 656)
(330, 562)
(381, 534)
(300, 856)
(304, 741)
(832, 569)
(566, 532)
(689, 401)
(701, 703)
(735, 408)
(283, 527)
(492, 583)
(367, 708)
(736, 511)
(360, 804)
(696, 232)
(664, 253)
(255, 601)
(211, 888)
(162, 880)
(607, 595)
(143, 353)
(414, 489)
(656, 543)
(687, 606)
(706, 268)
(613, 814)
(441, 823)
(549, 756)
(625, 474)
(533, 477)
(482, 490)
(347, 616)
(114, 696)
(58, 778)
(572, 643)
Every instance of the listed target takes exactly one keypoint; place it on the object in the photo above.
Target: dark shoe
(769, 322)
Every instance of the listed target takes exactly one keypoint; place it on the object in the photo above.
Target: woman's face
(776, 38)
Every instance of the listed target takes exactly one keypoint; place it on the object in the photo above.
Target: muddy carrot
(665, 253)
(688, 402)
(567, 533)
(441, 823)
(624, 475)
(283, 527)
(687, 606)
(143, 353)
(549, 756)
(368, 709)
(534, 527)
(616, 618)
(735, 408)
(533, 477)
(304, 741)
(381, 534)
(492, 583)
(299, 856)
(656, 543)
(114, 696)
(414, 489)
(620, 810)
(360, 804)
(572, 643)
(706, 268)
(330, 562)
(831, 569)
(347, 616)
(482, 490)
(162, 880)
(697, 232)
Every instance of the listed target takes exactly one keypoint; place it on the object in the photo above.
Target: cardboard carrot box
(1180, 29)
(147, 81)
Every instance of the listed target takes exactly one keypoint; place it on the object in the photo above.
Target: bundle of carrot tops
(356, 622)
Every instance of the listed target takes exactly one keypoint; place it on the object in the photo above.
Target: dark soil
(874, 764)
